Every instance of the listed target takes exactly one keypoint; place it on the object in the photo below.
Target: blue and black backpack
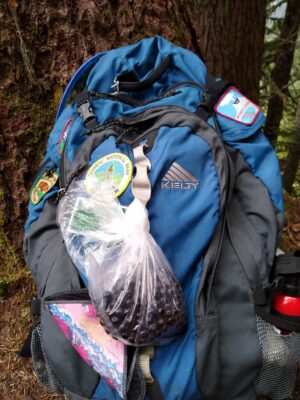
(216, 210)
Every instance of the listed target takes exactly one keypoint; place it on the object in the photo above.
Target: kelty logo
(178, 178)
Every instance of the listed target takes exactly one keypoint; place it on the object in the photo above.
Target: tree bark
(42, 43)
(231, 37)
(281, 73)
(292, 162)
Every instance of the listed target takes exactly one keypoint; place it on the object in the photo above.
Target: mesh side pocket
(41, 366)
(280, 355)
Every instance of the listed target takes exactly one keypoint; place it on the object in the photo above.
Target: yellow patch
(114, 167)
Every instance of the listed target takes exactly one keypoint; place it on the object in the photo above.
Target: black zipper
(213, 262)
(74, 295)
(130, 101)
(62, 174)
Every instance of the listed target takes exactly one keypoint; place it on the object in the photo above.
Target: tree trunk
(43, 42)
(293, 157)
(231, 36)
(281, 73)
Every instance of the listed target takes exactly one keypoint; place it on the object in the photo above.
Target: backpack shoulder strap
(214, 88)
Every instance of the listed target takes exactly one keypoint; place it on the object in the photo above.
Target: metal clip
(116, 85)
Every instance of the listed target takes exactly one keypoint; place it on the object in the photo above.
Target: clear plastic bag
(134, 290)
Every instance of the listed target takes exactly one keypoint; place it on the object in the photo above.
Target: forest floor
(17, 381)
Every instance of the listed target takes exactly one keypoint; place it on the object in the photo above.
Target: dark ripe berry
(136, 319)
(132, 338)
(124, 335)
(107, 295)
(115, 320)
(128, 302)
(152, 327)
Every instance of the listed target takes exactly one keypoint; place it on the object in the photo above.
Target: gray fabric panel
(239, 348)
(70, 369)
(208, 363)
(40, 244)
(245, 261)
(46, 255)
(256, 203)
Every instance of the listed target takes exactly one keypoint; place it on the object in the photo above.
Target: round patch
(45, 182)
(114, 167)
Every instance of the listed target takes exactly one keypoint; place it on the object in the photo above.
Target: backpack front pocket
(75, 315)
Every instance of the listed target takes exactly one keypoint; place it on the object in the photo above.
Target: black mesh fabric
(41, 366)
(280, 356)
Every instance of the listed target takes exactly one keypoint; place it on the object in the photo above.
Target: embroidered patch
(63, 136)
(45, 182)
(114, 167)
(235, 106)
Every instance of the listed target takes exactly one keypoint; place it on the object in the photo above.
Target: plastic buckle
(86, 112)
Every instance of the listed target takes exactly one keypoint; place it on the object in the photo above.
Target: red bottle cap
(286, 305)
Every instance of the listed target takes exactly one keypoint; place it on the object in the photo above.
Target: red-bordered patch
(63, 136)
(235, 106)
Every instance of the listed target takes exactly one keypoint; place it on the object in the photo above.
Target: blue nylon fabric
(105, 392)
(183, 231)
(142, 58)
(257, 151)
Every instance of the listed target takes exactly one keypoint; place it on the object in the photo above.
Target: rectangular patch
(79, 323)
(235, 106)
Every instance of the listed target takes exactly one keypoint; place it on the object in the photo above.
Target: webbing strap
(146, 353)
(153, 390)
(286, 275)
(215, 87)
(141, 186)
(289, 263)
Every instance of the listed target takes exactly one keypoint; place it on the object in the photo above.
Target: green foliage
(287, 135)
